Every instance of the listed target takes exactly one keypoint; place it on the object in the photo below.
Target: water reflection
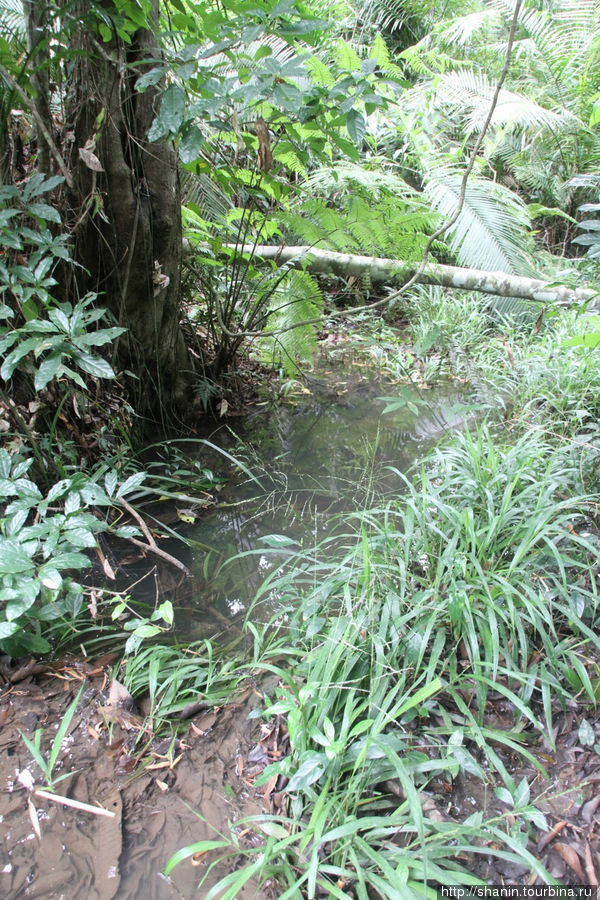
(328, 452)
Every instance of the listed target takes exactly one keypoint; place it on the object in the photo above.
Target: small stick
(158, 552)
(135, 514)
(76, 804)
(151, 545)
(590, 871)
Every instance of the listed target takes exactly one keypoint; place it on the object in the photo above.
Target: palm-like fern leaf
(12, 21)
(467, 95)
(462, 29)
(492, 229)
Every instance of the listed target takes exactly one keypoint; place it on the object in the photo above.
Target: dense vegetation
(150, 156)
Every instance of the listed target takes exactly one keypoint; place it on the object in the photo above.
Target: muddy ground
(182, 792)
(167, 794)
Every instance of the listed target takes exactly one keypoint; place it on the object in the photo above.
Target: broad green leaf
(172, 108)
(145, 631)
(278, 540)
(80, 537)
(191, 145)
(355, 123)
(100, 337)
(94, 365)
(131, 483)
(110, 482)
(165, 611)
(13, 559)
(48, 370)
(16, 355)
(16, 608)
(43, 211)
(50, 577)
(309, 772)
(8, 628)
(6, 215)
(148, 79)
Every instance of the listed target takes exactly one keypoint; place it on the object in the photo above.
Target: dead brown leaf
(269, 787)
(90, 159)
(204, 723)
(265, 156)
(550, 835)
(570, 856)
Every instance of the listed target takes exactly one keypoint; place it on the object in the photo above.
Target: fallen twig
(162, 553)
(151, 546)
(76, 804)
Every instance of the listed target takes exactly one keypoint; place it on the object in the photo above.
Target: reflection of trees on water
(316, 459)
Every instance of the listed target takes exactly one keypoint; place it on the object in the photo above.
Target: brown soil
(176, 794)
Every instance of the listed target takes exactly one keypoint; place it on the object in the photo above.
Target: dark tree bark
(125, 209)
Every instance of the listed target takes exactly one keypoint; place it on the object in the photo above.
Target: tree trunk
(328, 262)
(126, 210)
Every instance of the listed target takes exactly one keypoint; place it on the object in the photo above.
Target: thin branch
(40, 124)
(151, 546)
(158, 552)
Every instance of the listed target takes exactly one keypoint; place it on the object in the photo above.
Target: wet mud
(165, 794)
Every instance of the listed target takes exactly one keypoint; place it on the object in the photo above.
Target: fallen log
(328, 262)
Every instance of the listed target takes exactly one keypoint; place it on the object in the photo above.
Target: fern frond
(462, 29)
(352, 176)
(376, 213)
(296, 299)
(202, 192)
(12, 21)
(467, 95)
(492, 230)
(286, 155)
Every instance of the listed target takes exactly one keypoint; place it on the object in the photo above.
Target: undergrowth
(476, 584)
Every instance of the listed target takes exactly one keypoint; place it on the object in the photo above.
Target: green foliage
(63, 337)
(491, 231)
(294, 314)
(54, 338)
(36, 558)
(44, 540)
(173, 677)
(355, 209)
(448, 323)
(542, 129)
(480, 578)
(12, 22)
(590, 226)
(34, 746)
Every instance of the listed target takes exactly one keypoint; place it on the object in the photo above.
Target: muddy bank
(165, 793)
